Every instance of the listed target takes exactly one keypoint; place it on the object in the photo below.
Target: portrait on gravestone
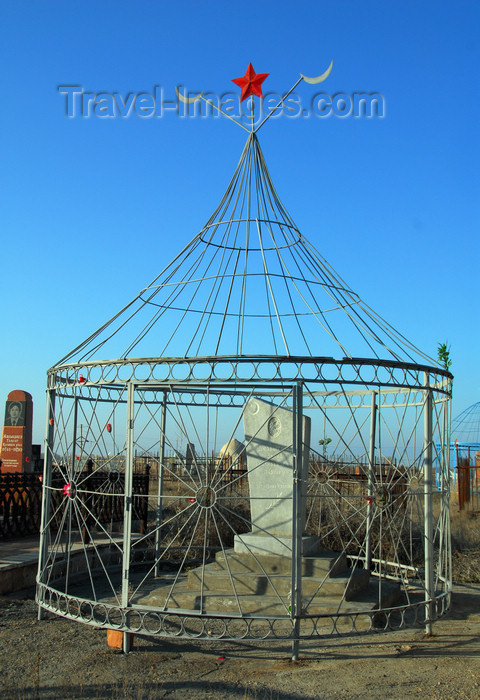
(14, 413)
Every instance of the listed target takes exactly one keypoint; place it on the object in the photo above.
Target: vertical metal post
(158, 523)
(446, 473)
(74, 438)
(428, 506)
(445, 562)
(46, 487)
(296, 602)
(371, 481)
(69, 504)
(447, 485)
(127, 523)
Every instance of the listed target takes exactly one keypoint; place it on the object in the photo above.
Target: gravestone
(268, 445)
(190, 458)
(16, 445)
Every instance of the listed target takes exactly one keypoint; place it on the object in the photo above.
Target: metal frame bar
(297, 454)
(127, 524)
(371, 481)
(158, 524)
(428, 508)
(47, 482)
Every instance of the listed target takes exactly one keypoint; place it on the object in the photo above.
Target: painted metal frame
(299, 623)
(248, 281)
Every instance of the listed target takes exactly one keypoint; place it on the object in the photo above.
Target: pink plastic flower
(66, 489)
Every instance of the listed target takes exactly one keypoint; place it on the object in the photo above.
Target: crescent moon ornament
(195, 98)
(187, 100)
(319, 78)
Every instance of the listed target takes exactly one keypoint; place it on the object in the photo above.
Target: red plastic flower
(66, 489)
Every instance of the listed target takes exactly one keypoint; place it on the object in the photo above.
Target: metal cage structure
(323, 520)
(465, 435)
(465, 458)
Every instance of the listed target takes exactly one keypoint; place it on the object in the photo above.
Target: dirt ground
(56, 658)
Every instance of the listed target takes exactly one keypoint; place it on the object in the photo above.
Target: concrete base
(261, 584)
(253, 543)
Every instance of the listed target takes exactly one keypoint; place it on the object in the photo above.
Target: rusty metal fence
(468, 483)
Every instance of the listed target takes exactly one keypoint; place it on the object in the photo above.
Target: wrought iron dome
(163, 531)
(249, 283)
(466, 426)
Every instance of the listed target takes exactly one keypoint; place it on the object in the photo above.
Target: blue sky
(91, 209)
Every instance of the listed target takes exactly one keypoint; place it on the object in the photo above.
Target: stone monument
(190, 458)
(16, 446)
(268, 441)
(232, 455)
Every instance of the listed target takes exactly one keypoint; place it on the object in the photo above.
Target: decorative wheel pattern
(153, 526)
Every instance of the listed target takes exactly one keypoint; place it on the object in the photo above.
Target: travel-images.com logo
(80, 103)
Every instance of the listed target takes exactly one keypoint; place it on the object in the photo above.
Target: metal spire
(249, 282)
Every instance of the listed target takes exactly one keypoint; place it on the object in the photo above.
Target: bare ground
(56, 658)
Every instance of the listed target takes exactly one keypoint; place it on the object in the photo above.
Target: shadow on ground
(135, 691)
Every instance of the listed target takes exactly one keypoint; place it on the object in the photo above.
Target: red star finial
(251, 83)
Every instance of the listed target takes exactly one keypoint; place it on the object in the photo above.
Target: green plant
(444, 355)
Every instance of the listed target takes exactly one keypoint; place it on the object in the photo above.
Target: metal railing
(20, 505)
(102, 498)
(468, 485)
(101, 501)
